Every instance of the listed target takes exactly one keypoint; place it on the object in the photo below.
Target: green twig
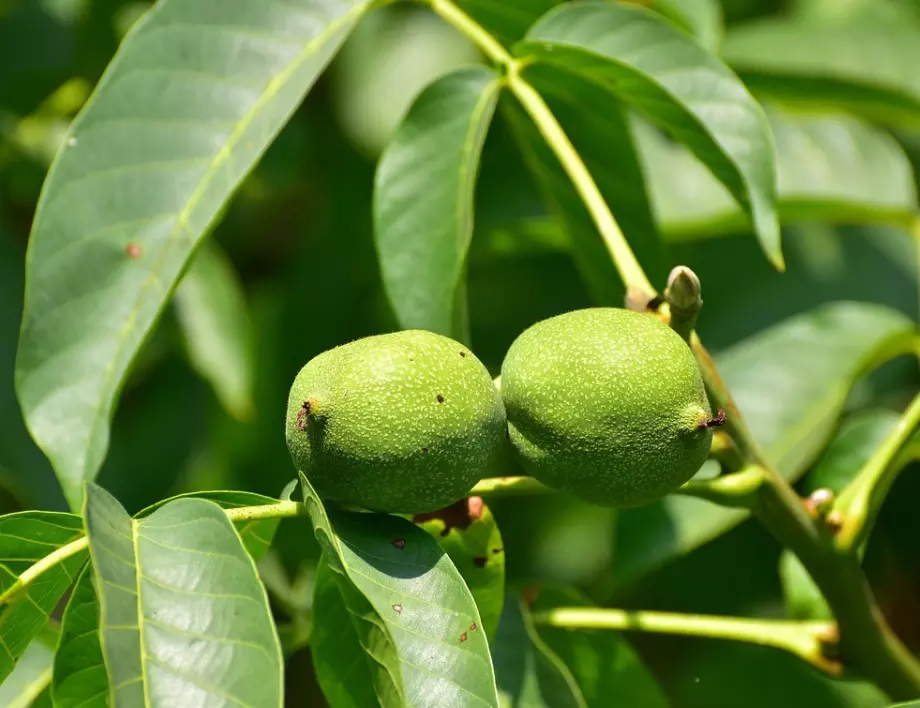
(861, 501)
(737, 490)
(807, 640)
(508, 486)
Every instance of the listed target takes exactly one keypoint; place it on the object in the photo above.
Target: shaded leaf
(211, 309)
(32, 674)
(790, 382)
(677, 84)
(414, 617)
(423, 199)
(606, 668)
(342, 664)
(26, 538)
(80, 678)
(193, 97)
(293, 596)
(596, 124)
(701, 18)
(829, 168)
(180, 600)
(477, 552)
(802, 597)
(528, 673)
(866, 67)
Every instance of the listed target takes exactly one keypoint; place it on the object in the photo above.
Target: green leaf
(341, 663)
(596, 124)
(80, 678)
(507, 20)
(701, 18)
(26, 538)
(416, 621)
(606, 668)
(790, 382)
(32, 674)
(256, 534)
(829, 167)
(211, 309)
(865, 67)
(688, 92)
(803, 598)
(529, 674)
(468, 533)
(423, 199)
(191, 100)
(182, 611)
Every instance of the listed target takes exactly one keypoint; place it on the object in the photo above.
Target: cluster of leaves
(169, 604)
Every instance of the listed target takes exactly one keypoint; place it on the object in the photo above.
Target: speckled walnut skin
(606, 404)
(405, 422)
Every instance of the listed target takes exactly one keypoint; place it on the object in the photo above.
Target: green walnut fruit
(405, 422)
(606, 404)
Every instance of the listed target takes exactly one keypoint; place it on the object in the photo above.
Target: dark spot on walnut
(399, 543)
(425, 450)
(716, 422)
(302, 416)
(463, 354)
(480, 561)
(440, 398)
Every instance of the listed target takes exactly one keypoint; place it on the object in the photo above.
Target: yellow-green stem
(508, 486)
(805, 639)
(860, 502)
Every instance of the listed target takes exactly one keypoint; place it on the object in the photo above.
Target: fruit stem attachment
(508, 487)
(737, 490)
(808, 640)
(682, 294)
(637, 284)
(861, 501)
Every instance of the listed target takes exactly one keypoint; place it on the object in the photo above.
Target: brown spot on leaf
(462, 637)
(399, 543)
(458, 515)
(496, 551)
(480, 561)
(133, 251)
(473, 627)
(397, 608)
(440, 398)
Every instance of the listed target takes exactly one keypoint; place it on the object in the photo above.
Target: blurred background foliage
(292, 271)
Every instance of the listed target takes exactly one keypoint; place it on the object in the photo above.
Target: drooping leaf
(865, 67)
(32, 674)
(650, 64)
(506, 20)
(790, 382)
(212, 313)
(468, 533)
(528, 672)
(423, 199)
(829, 168)
(180, 603)
(416, 621)
(26, 538)
(341, 662)
(605, 666)
(80, 678)
(702, 18)
(596, 124)
(195, 94)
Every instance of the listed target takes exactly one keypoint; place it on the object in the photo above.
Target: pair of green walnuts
(604, 403)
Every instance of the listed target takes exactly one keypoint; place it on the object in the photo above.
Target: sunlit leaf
(414, 618)
(194, 96)
(790, 382)
(702, 18)
(423, 199)
(26, 538)
(829, 167)
(528, 672)
(179, 600)
(469, 535)
(866, 67)
(507, 20)
(672, 80)
(212, 313)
